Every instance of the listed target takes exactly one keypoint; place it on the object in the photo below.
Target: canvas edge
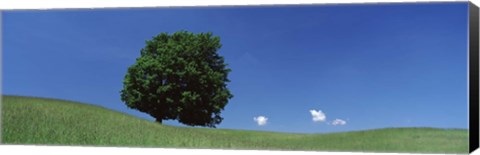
(473, 75)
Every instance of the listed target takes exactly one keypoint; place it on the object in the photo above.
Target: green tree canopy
(179, 77)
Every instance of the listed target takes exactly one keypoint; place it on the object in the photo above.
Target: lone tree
(179, 77)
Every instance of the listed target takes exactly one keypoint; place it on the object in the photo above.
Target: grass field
(27, 120)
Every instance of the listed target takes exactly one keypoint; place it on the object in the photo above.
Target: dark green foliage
(180, 77)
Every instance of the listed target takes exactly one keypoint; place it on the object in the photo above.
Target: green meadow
(28, 120)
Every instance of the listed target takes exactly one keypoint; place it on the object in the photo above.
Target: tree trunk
(158, 120)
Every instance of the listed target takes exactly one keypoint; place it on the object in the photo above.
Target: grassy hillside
(27, 120)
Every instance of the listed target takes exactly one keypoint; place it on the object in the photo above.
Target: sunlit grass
(27, 120)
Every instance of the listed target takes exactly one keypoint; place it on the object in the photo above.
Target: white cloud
(261, 120)
(339, 122)
(318, 116)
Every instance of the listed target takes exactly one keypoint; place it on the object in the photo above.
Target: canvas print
(343, 78)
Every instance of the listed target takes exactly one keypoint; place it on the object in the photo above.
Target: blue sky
(362, 66)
